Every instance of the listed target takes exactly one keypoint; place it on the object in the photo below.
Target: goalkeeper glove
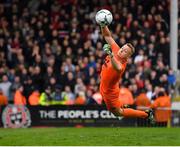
(107, 50)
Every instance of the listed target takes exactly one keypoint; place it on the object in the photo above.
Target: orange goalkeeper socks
(134, 113)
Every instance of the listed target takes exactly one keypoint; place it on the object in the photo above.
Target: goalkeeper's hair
(131, 47)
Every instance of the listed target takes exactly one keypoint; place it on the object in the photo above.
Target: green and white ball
(104, 16)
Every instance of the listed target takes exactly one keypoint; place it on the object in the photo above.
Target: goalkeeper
(111, 73)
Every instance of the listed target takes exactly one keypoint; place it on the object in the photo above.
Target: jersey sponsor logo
(16, 116)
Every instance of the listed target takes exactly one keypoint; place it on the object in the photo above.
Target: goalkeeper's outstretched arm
(115, 63)
(107, 35)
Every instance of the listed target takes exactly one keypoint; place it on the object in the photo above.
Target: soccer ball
(104, 17)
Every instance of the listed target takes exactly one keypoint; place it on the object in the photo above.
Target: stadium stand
(55, 48)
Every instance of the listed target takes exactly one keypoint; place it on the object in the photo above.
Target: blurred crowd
(51, 50)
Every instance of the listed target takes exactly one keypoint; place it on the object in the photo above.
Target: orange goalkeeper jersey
(110, 78)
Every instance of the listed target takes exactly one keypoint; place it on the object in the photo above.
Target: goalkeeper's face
(125, 52)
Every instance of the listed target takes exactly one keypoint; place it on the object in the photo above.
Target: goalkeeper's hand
(107, 49)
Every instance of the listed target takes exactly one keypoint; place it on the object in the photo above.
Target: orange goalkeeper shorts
(112, 101)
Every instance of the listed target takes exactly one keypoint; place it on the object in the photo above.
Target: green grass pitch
(90, 136)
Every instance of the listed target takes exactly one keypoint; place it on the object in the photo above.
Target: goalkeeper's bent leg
(128, 112)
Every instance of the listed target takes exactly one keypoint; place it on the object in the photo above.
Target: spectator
(15, 85)
(34, 98)
(3, 98)
(70, 95)
(70, 81)
(171, 78)
(69, 67)
(134, 89)
(80, 99)
(11, 75)
(52, 83)
(38, 62)
(29, 87)
(45, 97)
(59, 97)
(90, 100)
(140, 57)
(142, 101)
(79, 87)
(97, 98)
(164, 82)
(154, 78)
(5, 86)
(149, 92)
(126, 96)
(162, 106)
(19, 98)
(37, 78)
